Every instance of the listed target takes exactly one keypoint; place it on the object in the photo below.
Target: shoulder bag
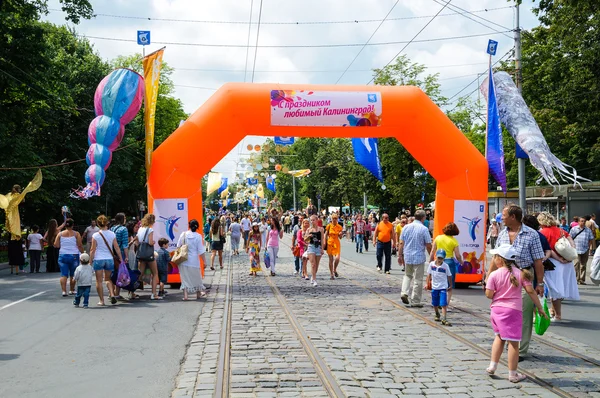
(145, 251)
(115, 257)
(564, 249)
(181, 253)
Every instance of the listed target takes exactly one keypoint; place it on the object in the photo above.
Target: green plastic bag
(541, 323)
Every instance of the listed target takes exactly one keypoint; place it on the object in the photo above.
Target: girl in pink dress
(503, 287)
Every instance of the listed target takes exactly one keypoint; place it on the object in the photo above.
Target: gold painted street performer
(10, 203)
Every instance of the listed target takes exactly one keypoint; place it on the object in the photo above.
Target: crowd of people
(530, 258)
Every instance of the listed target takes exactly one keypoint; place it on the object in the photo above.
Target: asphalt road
(580, 318)
(50, 348)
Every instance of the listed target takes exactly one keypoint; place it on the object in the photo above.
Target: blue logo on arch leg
(170, 224)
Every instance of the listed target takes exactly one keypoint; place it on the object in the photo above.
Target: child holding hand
(504, 286)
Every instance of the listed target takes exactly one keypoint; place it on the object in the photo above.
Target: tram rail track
(532, 376)
(327, 378)
(224, 359)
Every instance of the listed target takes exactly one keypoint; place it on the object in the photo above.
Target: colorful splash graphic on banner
(469, 216)
(325, 108)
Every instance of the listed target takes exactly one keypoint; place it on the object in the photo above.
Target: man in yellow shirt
(384, 238)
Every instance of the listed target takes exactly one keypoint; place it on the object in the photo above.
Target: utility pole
(521, 162)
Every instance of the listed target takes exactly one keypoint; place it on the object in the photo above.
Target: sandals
(201, 296)
(437, 318)
(157, 297)
(446, 323)
(517, 378)
(212, 268)
(101, 304)
(64, 294)
(113, 300)
(490, 371)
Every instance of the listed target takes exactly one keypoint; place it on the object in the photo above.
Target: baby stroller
(134, 276)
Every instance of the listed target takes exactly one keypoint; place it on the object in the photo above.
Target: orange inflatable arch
(237, 110)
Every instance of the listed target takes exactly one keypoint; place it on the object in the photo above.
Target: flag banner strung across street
(223, 185)
(495, 147)
(252, 181)
(260, 192)
(325, 108)
(225, 193)
(270, 183)
(299, 173)
(284, 140)
(366, 153)
(214, 182)
(152, 64)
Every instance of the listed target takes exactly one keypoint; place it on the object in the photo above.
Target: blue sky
(200, 69)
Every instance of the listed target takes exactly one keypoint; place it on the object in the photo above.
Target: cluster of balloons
(117, 101)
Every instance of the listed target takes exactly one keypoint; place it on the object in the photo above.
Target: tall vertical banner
(469, 216)
(367, 154)
(214, 182)
(171, 220)
(495, 149)
(152, 64)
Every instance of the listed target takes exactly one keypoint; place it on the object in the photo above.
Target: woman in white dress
(561, 281)
(191, 278)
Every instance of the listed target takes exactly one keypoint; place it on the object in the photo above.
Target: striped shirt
(527, 245)
(122, 237)
(582, 241)
(415, 237)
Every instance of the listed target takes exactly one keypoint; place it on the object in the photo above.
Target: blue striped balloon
(100, 155)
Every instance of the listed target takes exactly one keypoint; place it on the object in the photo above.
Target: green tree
(561, 80)
(403, 175)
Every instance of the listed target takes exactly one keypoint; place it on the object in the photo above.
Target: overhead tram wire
(349, 21)
(367, 42)
(455, 7)
(479, 22)
(317, 71)
(332, 45)
(248, 41)
(413, 39)
(257, 36)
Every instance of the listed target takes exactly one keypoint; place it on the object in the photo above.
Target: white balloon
(383, 187)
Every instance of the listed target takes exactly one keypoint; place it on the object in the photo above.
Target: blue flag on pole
(495, 148)
(223, 185)
(367, 154)
(271, 183)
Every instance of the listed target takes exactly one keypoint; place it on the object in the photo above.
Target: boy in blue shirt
(439, 277)
(162, 263)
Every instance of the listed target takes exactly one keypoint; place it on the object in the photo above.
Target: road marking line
(20, 301)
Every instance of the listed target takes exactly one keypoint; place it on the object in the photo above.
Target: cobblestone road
(370, 347)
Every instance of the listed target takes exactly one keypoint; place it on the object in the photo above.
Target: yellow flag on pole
(152, 64)
(214, 182)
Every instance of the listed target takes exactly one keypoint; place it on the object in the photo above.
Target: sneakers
(437, 318)
(113, 300)
(295, 273)
(404, 299)
(379, 269)
(314, 283)
(357, 249)
(388, 272)
(447, 323)
(64, 294)
(336, 274)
